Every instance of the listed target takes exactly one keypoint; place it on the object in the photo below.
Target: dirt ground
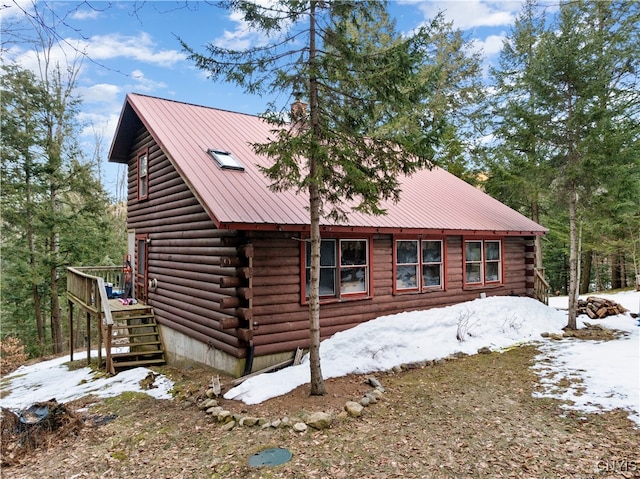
(473, 417)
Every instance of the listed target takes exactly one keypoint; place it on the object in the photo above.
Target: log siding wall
(200, 270)
(281, 321)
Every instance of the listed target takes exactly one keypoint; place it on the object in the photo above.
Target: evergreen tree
(587, 85)
(22, 192)
(55, 212)
(365, 125)
(519, 172)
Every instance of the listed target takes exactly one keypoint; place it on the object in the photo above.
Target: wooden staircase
(135, 339)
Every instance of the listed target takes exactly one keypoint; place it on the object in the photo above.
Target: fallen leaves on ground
(473, 417)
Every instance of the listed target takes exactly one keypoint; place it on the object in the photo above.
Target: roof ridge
(187, 103)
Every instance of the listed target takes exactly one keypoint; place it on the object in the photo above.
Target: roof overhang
(337, 229)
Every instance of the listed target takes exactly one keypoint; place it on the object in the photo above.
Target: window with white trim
(419, 264)
(483, 262)
(344, 268)
(143, 175)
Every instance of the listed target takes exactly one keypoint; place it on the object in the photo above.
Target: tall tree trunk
(317, 382)
(586, 272)
(56, 317)
(37, 310)
(37, 306)
(573, 259)
(598, 279)
(537, 255)
(616, 282)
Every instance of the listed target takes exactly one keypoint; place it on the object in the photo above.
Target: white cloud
(144, 84)
(99, 48)
(14, 11)
(100, 93)
(101, 124)
(467, 14)
(139, 47)
(490, 46)
(242, 37)
(66, 55)
(85, 14)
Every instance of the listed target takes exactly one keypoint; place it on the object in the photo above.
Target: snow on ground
(604, 375)
(609, 371)
(52, 379)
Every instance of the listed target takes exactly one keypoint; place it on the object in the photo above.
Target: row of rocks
(317, 420)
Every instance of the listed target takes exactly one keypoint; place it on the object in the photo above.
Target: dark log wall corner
(202, 272)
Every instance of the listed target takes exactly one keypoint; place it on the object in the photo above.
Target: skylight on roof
(226, 160)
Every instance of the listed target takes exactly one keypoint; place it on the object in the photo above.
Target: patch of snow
(52, 379)
(389, 341)
(606, 373)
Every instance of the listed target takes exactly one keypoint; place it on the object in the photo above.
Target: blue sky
(132, 47)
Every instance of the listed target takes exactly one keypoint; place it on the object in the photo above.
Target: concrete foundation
(181, 350)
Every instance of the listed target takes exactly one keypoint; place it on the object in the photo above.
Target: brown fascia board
(373, 230)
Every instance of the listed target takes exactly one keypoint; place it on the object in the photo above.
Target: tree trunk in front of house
(317, 381)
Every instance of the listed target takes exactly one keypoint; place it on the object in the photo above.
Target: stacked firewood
(598, 308)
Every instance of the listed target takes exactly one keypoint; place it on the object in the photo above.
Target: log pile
(598, 308)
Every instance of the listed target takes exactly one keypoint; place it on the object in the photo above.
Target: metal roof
(430, 200)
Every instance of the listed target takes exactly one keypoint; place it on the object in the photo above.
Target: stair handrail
(90, 292)
(82, 285)
(541, 286)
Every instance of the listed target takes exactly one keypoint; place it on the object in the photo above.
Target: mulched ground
(474, 417)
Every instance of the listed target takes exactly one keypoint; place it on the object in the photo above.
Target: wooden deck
(131, 327)
(117, 307)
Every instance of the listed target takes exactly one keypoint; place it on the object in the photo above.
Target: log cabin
(222, 259)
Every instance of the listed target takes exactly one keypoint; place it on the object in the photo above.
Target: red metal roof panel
(430, 199)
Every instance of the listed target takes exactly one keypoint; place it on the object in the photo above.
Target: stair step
(135, 335)
(125, 333)
(132, 354)
(145, 362)
(136, 344)
(134, 326)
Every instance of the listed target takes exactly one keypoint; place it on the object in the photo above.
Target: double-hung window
(143, 175)
(418, 264)
(483, 262)
(344, 268)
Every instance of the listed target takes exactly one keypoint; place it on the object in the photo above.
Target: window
(483, 262)
(432, 264)
(344, 268)
(226, 160)
(419, 265)
(353, 266)
(143, 175)
(407, 264)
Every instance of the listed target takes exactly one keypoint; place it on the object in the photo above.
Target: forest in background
(553, 132)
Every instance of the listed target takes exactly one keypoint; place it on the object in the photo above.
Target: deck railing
(540, 287)
(86, 289)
